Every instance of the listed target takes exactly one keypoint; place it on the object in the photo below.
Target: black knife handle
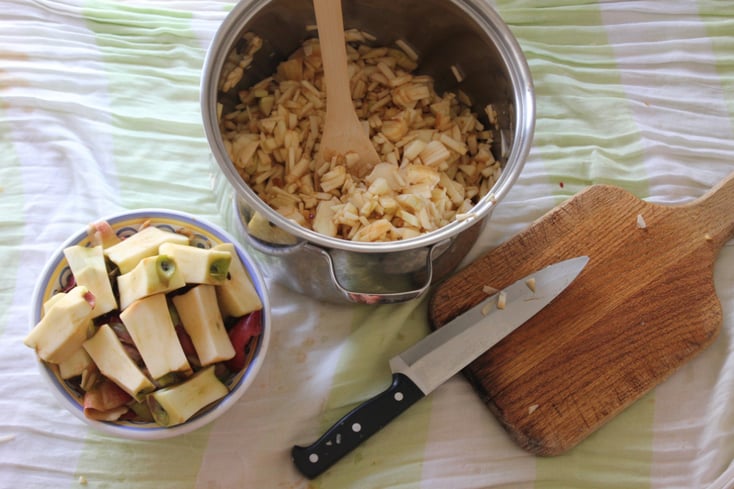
(356, 426)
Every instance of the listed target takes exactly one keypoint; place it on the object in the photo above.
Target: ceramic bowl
(56, 276)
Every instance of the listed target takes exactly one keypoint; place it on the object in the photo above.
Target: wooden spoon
(343, 132)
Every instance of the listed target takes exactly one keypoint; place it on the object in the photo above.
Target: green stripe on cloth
(618, 455)
(147, 465)
(394, 456)
(153, 61)
(585, 134)
(11, 235)
(720, 29)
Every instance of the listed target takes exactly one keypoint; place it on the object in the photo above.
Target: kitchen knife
(433, 360)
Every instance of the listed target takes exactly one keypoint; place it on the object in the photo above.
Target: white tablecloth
(99, 112)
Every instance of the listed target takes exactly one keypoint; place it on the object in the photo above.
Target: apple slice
(237, 295)
(199, 265)
(152, 275)
(89, 268)
(151, 328)
(174, 405)
(108, 353)
(127, 253)
(200, 316)
(63, 329)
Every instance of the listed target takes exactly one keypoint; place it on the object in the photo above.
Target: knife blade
(430, 362)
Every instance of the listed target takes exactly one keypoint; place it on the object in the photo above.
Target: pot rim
(481, 12)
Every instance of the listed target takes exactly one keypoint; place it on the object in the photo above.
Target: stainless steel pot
(466, 34)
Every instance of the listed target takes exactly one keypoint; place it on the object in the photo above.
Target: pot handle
(335, 280)
(391, 297)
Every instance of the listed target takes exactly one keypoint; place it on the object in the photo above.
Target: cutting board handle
(717, 210)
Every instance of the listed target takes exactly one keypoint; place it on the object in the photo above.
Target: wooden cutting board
(643, 306)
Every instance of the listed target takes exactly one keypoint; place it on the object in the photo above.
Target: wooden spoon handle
(333, 52)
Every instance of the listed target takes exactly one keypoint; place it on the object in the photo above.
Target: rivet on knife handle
(356, 426)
